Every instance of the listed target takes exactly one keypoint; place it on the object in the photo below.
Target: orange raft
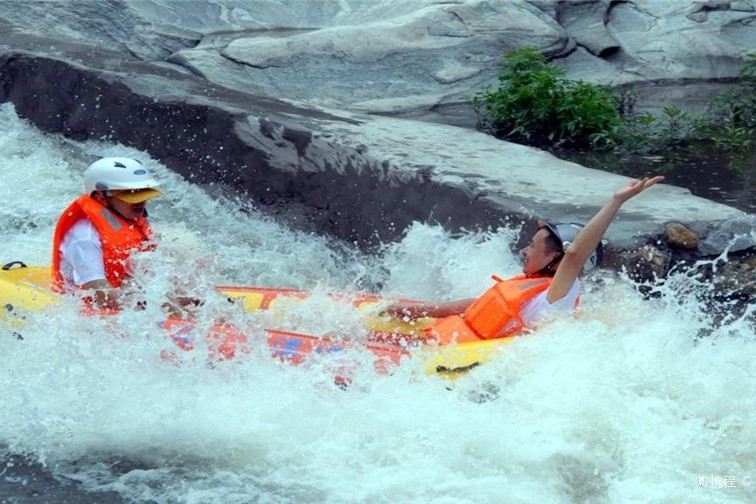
(389, 339)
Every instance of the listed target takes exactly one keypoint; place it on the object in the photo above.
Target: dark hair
(553, 244)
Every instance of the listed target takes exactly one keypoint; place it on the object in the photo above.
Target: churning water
(627, 402)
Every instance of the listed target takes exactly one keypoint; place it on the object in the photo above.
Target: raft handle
(10, 265)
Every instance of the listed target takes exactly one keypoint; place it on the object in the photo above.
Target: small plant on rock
(734, 113)
(536, 104)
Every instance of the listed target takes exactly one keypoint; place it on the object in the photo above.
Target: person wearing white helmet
(552, 263)
(97, 234)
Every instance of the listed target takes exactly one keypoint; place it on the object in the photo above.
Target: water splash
(624, 402)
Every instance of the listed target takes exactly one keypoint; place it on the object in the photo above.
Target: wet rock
(646, 264)
(737, 278)
(680, 236)
(733, 235)
(26, 481)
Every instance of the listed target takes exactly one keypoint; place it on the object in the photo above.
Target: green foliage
(674, 126)
(733, 138)
(535, 103)
(738, 108)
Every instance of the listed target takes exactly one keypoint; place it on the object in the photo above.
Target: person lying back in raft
(98, 233)
(552, 262)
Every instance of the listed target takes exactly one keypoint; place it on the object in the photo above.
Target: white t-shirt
(539, 307)
(81, 259)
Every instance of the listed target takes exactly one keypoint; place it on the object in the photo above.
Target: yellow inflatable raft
(26, 289)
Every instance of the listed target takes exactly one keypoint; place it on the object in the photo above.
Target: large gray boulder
(648, 39)
(410, 58)
(668, 53)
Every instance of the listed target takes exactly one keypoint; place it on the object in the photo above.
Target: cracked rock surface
(421, 58)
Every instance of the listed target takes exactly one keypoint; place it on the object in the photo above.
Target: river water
(634, 400)
(725, 176)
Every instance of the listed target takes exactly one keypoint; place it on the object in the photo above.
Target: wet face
(129, 211)
(536, 255)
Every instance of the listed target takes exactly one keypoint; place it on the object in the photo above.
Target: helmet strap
(111, 208)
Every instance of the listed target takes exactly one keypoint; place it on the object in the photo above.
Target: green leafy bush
(737, 109)
(536, 104)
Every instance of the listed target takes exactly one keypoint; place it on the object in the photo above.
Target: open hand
(635, 187)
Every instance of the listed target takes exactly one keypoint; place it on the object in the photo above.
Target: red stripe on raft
(294, 348)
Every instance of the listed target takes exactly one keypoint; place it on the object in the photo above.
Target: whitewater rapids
(634, 400)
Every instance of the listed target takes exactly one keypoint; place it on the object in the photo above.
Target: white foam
(621, 404)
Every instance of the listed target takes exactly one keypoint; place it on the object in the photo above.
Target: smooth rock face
(391, 61)
(410, 58)
(660, 41)
(586, 22)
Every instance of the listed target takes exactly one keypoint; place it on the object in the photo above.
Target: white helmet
(117, 173)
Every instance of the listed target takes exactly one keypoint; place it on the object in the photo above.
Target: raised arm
(589, 237)
(437, 310)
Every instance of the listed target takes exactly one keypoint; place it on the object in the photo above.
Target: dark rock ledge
(265, 148)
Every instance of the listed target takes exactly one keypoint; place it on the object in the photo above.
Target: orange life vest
(495, 314)
(119, 238)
